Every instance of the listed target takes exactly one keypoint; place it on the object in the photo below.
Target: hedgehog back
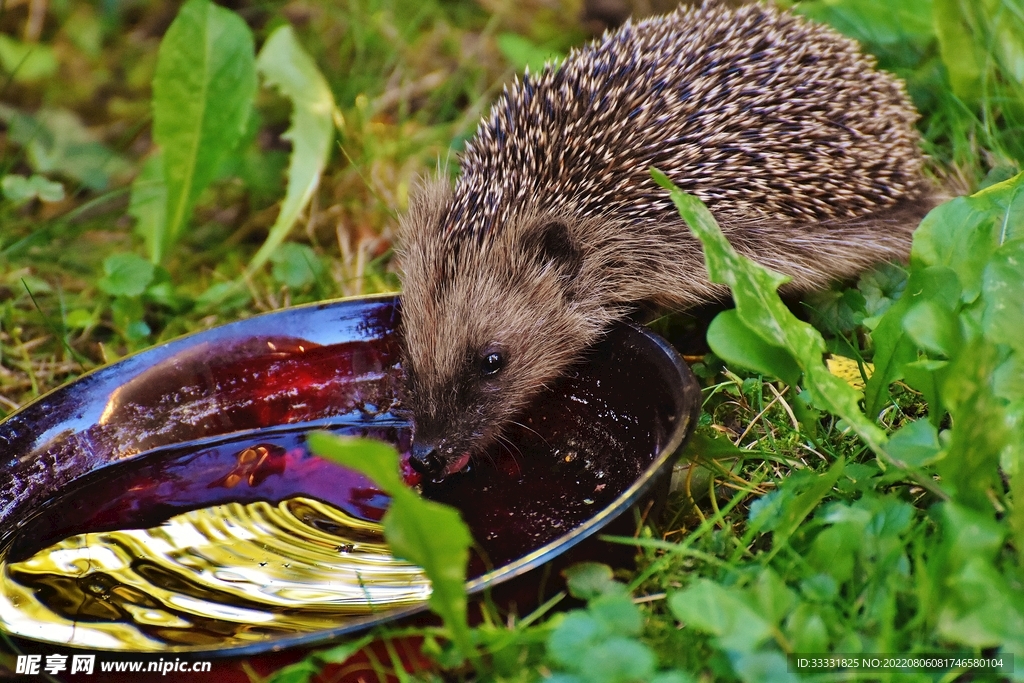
(759, 113)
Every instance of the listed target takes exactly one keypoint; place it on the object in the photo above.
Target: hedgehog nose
(427, 460)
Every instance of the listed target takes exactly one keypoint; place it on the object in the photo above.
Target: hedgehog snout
(426, 459)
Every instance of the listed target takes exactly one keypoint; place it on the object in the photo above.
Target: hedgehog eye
(492, 360)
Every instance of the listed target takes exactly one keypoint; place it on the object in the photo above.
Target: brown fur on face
(804, 153)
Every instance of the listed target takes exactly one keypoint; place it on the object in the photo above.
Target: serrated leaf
(761, 310)
(203, 91)
(724, 613)
(126, 275)
(285, 65)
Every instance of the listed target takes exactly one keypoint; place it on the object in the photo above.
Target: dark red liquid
(201, 422)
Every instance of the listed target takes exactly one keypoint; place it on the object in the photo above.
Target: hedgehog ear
(557, 247)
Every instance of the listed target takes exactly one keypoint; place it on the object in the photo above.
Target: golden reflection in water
(223, 575)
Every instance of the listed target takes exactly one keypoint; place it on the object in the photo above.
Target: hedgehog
(805, 153)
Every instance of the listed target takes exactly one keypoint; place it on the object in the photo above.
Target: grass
(855, 566)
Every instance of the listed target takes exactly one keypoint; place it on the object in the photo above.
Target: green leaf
(708, 607)
(735, 343)
(774, 598)
(964, 233)
(962, 54)
(20, 189)
(285, 65)
(916, 444)
(203, 91)
(588, 580)
(296, 265)
(617, 660)
(522, 53)
(57, 142)
(763, 667)
(575, 633)
(27, 62)
(761, 310)
(804, 503)
(894, 348)
(970, 470)
(375, 459)
(148, 206)
(1003, 294)
(933, 327)
(427, 534)
(617, 613)
(126, 275)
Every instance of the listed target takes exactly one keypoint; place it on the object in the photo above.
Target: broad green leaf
(834, 551)
(708, 607)
(933, 327)
(964, 233)
(427, 534)
(1003, 294)
(285, 65)
(148, 205)
(588, 580)
(203, 91)
(981, 609)
(807, 629)
(618, 614)
(617, 660)
(734, 342)
(126, 275)
(774, 598)
(575, 634)
(916, 444)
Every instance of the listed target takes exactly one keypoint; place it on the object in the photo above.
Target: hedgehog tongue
(457, 464)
